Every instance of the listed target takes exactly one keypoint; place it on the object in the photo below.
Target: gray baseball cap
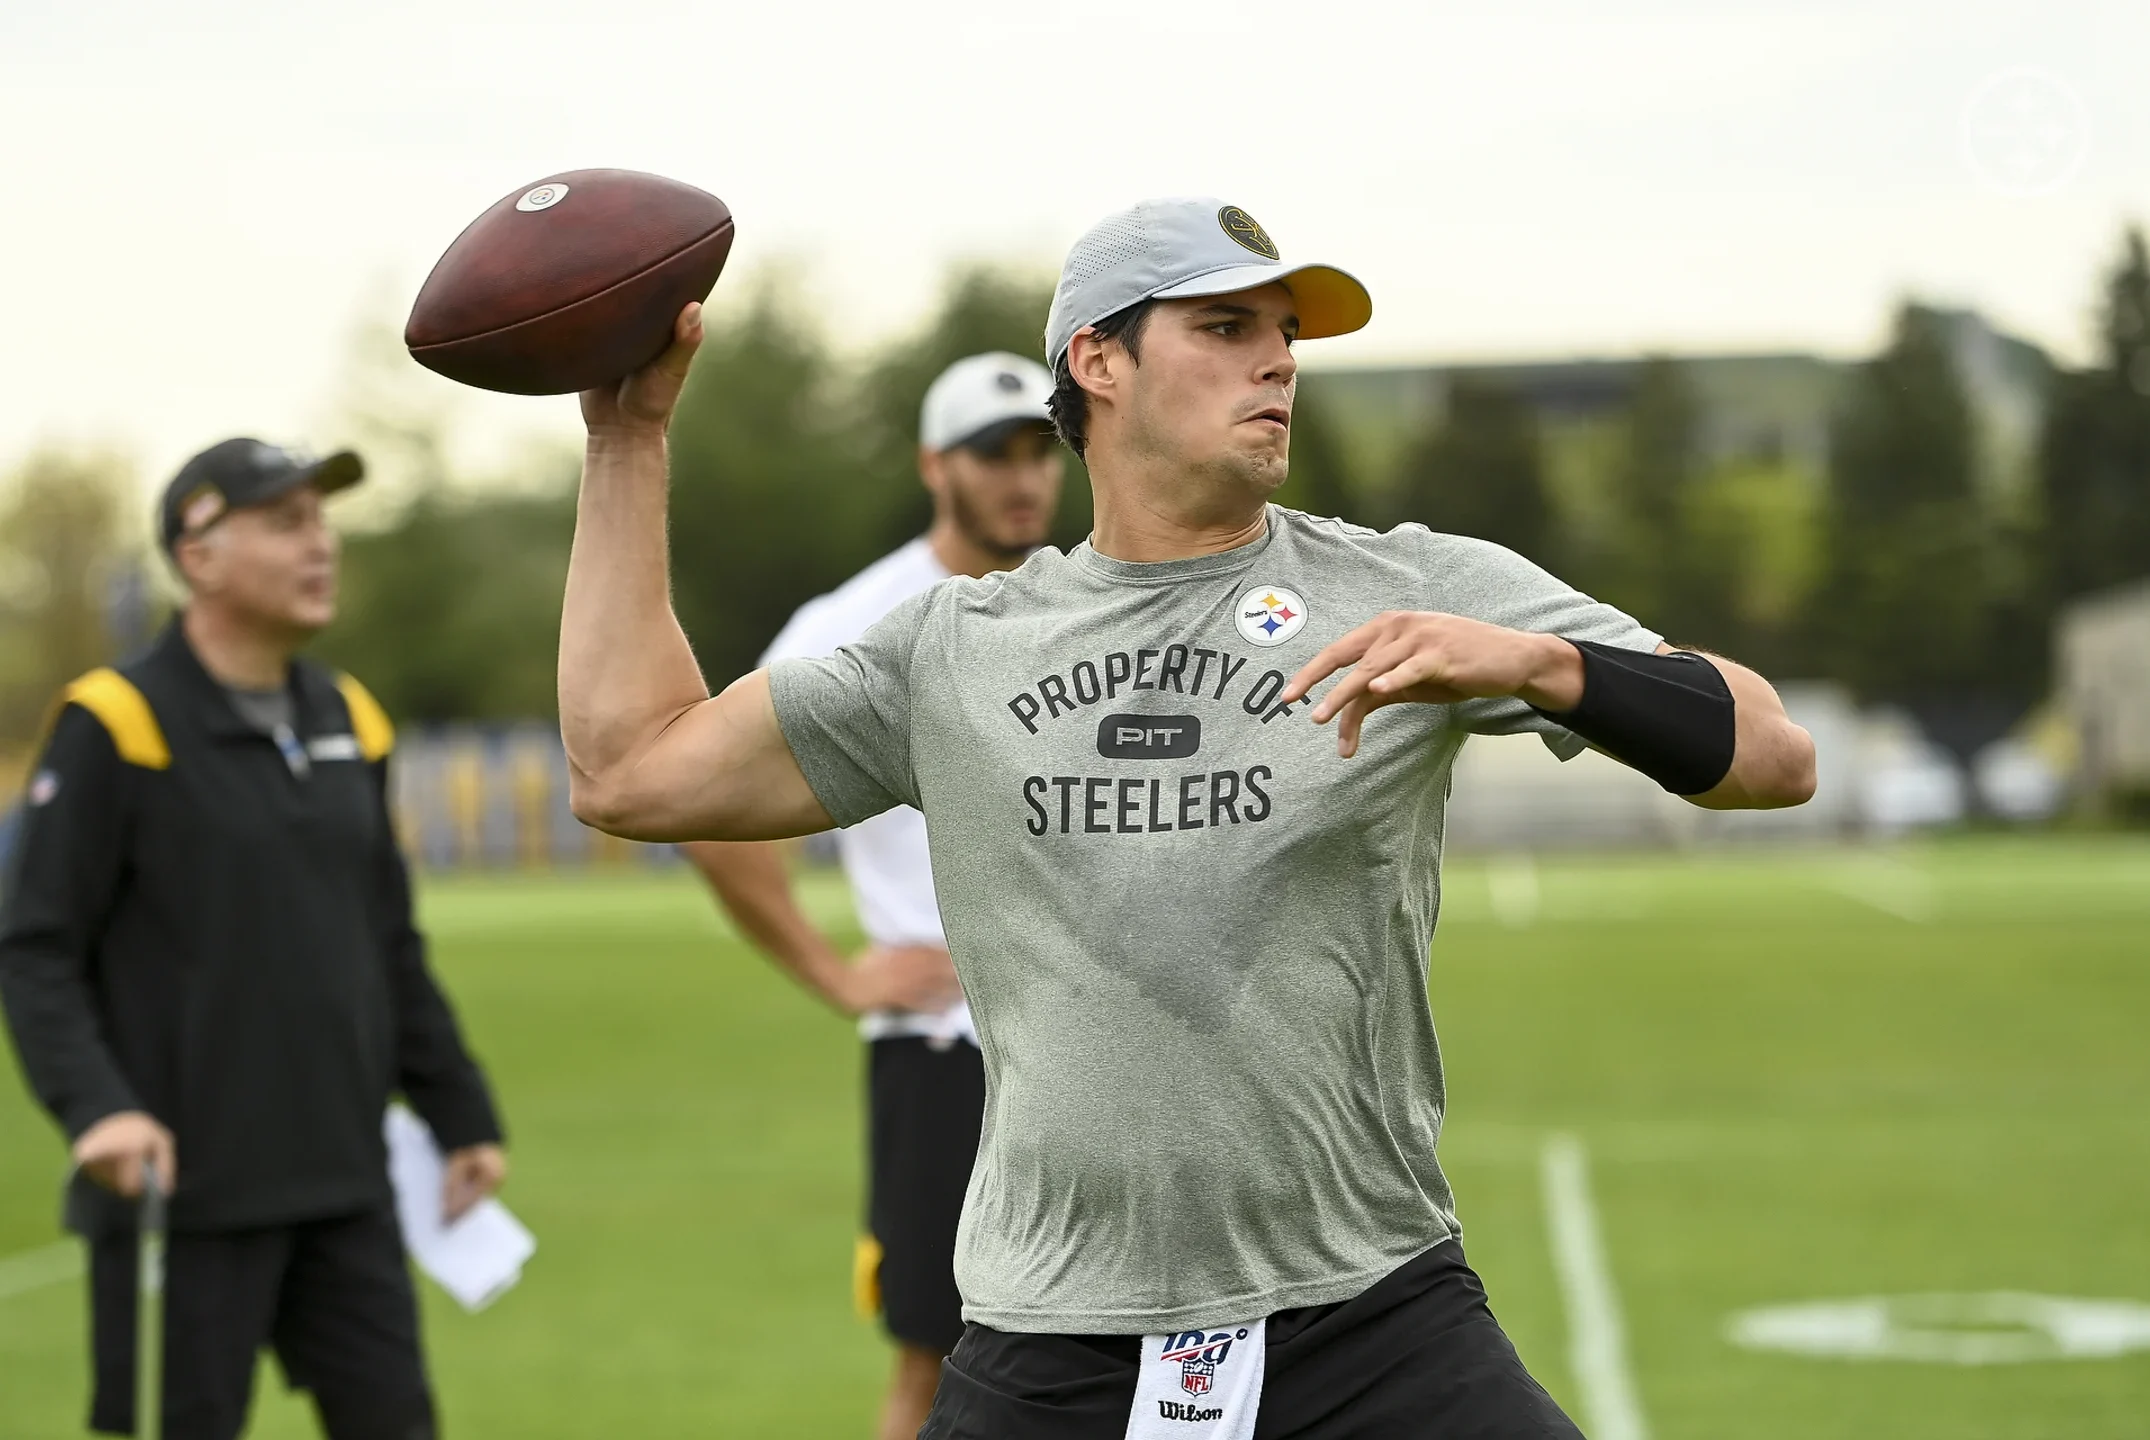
(1171, 249)
(985, 393)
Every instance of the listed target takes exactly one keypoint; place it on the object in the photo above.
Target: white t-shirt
(885, 856)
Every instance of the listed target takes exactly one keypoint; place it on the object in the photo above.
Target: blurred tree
(1651, 561)
(2095, 451)
(1907, 609)
(770, 503)
(453, 611)
(982, 308)
(397, 415)
(64, 558)
(450, 605)
(1320, 482)
(1714, 555)
(1481, 471)
(1751, 549)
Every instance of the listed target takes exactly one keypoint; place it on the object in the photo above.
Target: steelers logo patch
(1269, 615)
(1247, 232)
(542, 197)
(43, 786)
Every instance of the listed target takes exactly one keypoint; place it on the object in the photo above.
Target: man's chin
(1264, 470)
(309, 620)
(1009, 546)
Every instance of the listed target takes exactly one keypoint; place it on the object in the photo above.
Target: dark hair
(1070, 404)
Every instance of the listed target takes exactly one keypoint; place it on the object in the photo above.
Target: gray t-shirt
(1194, 938)
(266, 710)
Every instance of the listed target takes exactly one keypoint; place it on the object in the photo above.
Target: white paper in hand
(478, 1258)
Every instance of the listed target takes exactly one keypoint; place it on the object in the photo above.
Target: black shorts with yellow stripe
(925, 1104)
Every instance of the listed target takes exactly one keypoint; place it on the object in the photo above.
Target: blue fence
(495, 797)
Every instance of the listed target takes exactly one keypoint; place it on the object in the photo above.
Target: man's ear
(192, 557)
(1094, 361)
(932, 470)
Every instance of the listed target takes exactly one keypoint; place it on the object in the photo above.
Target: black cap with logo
(235, 474)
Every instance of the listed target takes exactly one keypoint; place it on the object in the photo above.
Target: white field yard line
(1597, 1340)
(1893, 887)
(1512, 886)
(35, 1269)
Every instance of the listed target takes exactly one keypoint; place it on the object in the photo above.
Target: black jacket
(192, 929)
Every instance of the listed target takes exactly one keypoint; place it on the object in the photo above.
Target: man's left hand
(472, 1173)
(1432, 659)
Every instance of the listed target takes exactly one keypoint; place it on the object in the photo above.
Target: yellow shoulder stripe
(866, 1277)
(126, 716)
(369, 722)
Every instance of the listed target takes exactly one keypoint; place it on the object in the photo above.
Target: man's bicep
(62, 882)
(802, 746)
(720, 771)
(72, 829)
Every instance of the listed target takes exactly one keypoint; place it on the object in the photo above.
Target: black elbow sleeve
(1669, 716)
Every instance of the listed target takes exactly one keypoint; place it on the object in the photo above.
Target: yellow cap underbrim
(1330, 301)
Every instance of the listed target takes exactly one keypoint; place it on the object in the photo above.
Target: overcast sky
(198, 203)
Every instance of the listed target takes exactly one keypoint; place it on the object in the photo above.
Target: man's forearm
(650, 756)
(626, 669)
(1678, 731)
(751, 880)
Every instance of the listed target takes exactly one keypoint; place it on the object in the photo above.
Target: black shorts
(332, 1297)
(1418, 1355)
(925, 1107)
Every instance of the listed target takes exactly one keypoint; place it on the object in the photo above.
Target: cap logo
(1009, 381)
(200, 509)
(1246, 232)
(542, 197)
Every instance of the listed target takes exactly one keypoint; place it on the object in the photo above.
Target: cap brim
(993, 436)
(331, 473)
(328, 475)
(1014, 410)
(1331, 301)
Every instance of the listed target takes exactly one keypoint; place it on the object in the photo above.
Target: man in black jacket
(208, 962)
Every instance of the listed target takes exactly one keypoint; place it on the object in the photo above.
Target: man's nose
(1280, 366)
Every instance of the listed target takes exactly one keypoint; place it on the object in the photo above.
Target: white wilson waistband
(1200, 1384)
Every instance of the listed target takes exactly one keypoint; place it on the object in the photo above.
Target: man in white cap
(1193, 928)
(987, 454)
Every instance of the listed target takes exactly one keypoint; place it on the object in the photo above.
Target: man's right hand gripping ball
(642, 402)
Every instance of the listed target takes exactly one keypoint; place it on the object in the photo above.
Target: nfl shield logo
(1197, 1375)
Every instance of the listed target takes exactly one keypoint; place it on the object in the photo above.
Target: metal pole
(149, 1311)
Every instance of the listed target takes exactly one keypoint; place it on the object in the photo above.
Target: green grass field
(1814, 1076)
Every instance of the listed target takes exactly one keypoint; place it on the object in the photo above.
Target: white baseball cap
(1171, 249)
(982, 393)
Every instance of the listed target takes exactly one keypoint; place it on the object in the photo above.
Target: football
(570, 283)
